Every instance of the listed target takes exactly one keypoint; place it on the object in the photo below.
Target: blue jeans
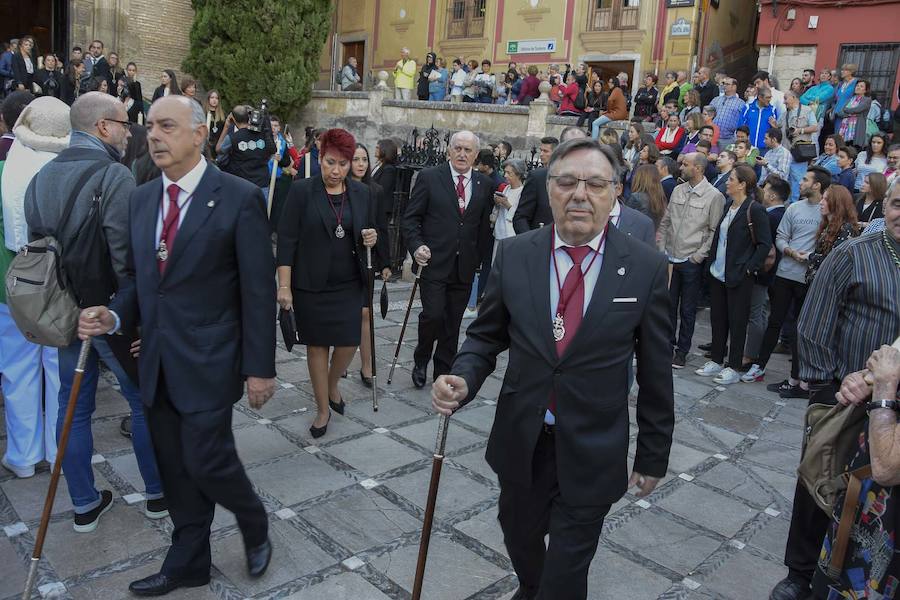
(77, 460)
(597, 124)
(684, 290)
(437, 96)
(798, 170)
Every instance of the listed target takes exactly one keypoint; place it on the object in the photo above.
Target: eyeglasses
(125, 124)
(569, 183)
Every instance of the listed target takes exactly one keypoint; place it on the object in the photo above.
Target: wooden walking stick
(272, 182)
(412, 296)
(436, 463)
(372, 327)
(57, 468)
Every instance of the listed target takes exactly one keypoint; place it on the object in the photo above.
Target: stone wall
(790, 61)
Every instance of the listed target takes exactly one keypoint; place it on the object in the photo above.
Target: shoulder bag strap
(70, 204)
(750, 222)
(848, 517)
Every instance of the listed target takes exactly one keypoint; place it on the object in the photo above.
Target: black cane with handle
(372, 327)
(57, 469)
(412, 297)
(437, 462)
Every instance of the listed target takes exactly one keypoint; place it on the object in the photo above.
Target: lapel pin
(211, 203)
(621, 270)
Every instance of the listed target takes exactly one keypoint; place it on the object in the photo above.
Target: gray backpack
(43, 307)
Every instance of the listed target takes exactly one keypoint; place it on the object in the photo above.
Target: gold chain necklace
(890, 248)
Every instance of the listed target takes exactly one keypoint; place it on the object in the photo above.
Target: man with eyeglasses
(729, 108)
(570, 303)
(447, 229)
(89, 168)
(685, 235)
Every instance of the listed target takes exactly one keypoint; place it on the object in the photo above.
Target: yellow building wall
(388, 25)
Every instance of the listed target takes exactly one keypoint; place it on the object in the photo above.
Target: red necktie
(170, 225)
(461, 193)
(573, 293)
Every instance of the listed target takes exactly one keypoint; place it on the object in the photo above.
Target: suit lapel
(146, 214)
(316, 193)
(539, 278)
(612, 274)
(205, 199)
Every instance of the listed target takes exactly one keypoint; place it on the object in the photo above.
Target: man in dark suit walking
(571, 303)
(448, 232)
(203, 293)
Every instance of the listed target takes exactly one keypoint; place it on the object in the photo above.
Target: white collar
(189, 182)
(456, 174)
(594, 243)
(616, 209)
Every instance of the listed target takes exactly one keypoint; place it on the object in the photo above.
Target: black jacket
(707, 92)
(534, 203)
(50, 82)
(137, 94)
(742, 257)
(627, 314)
(432, 218)
(304, 237)
(249, 155)
(775, 216)
(868, 214)
(386, 177)
(668, 184)
(21, 76)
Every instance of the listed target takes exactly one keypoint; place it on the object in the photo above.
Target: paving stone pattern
(346, 509)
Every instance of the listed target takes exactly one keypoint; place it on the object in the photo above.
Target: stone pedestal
(538, 111)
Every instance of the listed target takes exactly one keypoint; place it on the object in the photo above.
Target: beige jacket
(687, 228)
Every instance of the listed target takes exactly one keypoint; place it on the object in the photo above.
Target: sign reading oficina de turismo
(530, 46)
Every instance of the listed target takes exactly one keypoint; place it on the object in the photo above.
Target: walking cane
(412, 296)
(372, 327)
(437, 462)
(272, 183)
(57, 468)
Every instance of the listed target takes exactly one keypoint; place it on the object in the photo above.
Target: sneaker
(125, 427)
(727, 376)
(20, 472)
(795, 391)
(87, 522)
(779, 387)
(470, 313)
(709, 369)
(705, 347)
(157, 508)
(754, 374)
(679, 360)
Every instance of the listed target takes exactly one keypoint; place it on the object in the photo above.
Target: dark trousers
(684, 290)
(443, 305)
(782, 293)
(200, 468)
(729, 312)
(809, 523)
(558, 572)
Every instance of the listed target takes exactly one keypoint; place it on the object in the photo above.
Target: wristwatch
(884, 403)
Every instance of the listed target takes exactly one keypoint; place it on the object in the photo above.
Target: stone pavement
(346, 509)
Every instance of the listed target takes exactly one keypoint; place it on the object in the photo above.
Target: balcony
(613, 15)
(465, 19)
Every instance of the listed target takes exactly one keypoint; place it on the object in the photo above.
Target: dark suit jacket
(638, 225)
(775, 215)
(432, 218)
(305, 235)
(209, 322)
(668, 184)
(20, 73)
(722, 183)
(534, 203)
(742, 257)
(589, 381)
(386, 177)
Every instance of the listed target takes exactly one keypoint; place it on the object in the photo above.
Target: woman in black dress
(168, 85)
(135, 107)
(70, 87)
(326, 225)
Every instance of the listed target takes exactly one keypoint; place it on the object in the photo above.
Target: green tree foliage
(254, 49)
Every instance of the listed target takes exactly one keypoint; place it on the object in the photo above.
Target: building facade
(800, 35)
(634, 36)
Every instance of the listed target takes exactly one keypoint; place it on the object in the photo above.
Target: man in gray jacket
(100, 132)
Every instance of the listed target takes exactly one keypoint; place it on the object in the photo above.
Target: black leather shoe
(418, 376)
(338, 408)
(790, 589)
(367, 381)
(318, 432)
(705, 347)
(160, 584)
(258, 559)
(524, 594)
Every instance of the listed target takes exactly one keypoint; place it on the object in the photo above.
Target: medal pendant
(162, 253)
(559, 329)
(339, 232)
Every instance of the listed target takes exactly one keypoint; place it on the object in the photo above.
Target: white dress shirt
(188, 185)
(467, 182)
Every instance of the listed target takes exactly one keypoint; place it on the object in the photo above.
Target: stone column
(538, 111)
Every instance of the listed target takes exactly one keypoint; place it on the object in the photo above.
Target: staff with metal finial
(57, 469)
(412, 296)
(372, 326)
(437, 462)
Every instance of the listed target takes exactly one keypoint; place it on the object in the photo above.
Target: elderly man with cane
(571, 303)
(203, 293)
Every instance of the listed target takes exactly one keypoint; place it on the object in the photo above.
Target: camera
(259, 115)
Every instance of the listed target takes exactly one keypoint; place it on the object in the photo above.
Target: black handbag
(803, 151)
(288, 328)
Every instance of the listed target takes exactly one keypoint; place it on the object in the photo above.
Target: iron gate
(878, 64)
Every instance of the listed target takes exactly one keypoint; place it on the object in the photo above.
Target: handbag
(803, 151)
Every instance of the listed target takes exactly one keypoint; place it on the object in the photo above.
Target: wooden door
(358, 51)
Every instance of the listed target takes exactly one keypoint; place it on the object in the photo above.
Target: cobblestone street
(346, 510)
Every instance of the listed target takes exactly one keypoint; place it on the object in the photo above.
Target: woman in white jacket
(42, 131)
(507, 200)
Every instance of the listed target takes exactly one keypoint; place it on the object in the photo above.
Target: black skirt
(332, 317)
